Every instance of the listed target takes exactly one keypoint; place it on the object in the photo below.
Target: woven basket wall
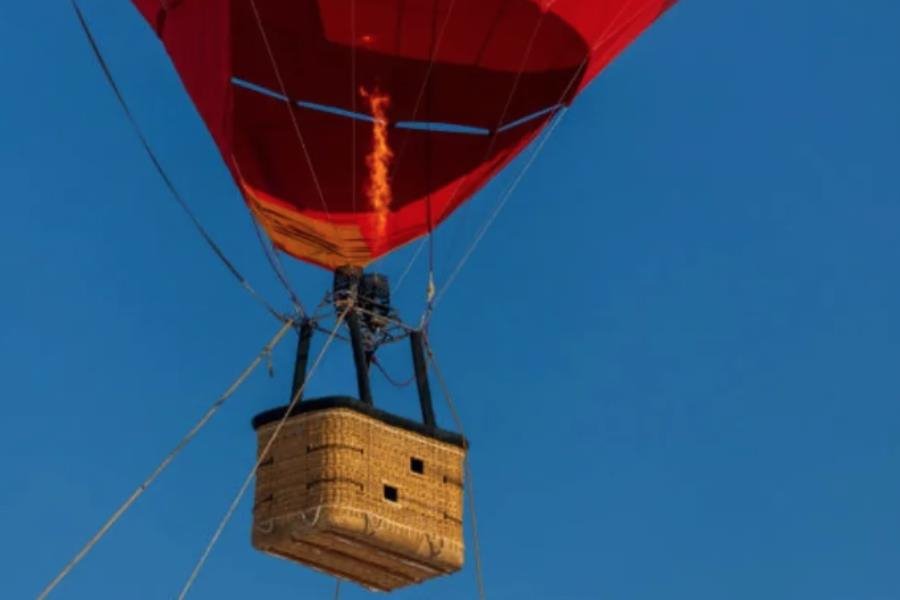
(340, 491)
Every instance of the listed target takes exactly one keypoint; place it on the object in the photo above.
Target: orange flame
(379, 159)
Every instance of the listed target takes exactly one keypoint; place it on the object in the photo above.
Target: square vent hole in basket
(390, 493)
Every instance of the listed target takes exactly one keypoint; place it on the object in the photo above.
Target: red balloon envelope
(355, 126)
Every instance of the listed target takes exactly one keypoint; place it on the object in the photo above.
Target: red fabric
(149, 8)
(496, 61)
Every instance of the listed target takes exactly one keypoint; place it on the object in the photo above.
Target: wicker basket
(360, 494)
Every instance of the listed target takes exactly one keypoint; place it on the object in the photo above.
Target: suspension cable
(397, 383)
(430, 289)
(265, 242)
(271, 255)
(435, 48)
(601, 38)
(409, 265)
(526, 54)
(469, 483)
(167, 181)
(139, 491)
(436, 41)
(504, 198)
(262, 456)
(353, 102)
(498, 208)
(290, 107)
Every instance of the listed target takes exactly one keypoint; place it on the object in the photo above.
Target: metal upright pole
(345, 292)
(301, 360)
(359, 357)
(421, 369)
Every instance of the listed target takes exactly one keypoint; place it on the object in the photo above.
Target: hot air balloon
(469, 82)
(352, 127)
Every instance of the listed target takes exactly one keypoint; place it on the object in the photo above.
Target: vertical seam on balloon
(610, 27)
(353, 101)
(270, 253)
(167, 181)
(619, 28)
(505, 197)
(290, 107)
(512, 93)
(425, 81)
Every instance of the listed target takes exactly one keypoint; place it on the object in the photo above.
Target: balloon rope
(504, 198)
(435, 48)
(290, 107)
(526, 54)
(420, 96)
(469, 483)
(498, 208)
(271, 254)
(429, 241)
(393, 381)
(265, 242)
(615, 25)
(409, 265)
(262, 456)
(162, 173)
(353, 102)
(139, 491)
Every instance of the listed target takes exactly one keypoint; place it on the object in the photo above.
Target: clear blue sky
(677, 352)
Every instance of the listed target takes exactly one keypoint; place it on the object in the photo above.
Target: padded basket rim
(331, 402)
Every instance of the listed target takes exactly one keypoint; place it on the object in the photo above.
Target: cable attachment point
(345, 289)
(267, 356)
(368, 294)
(431, 290)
